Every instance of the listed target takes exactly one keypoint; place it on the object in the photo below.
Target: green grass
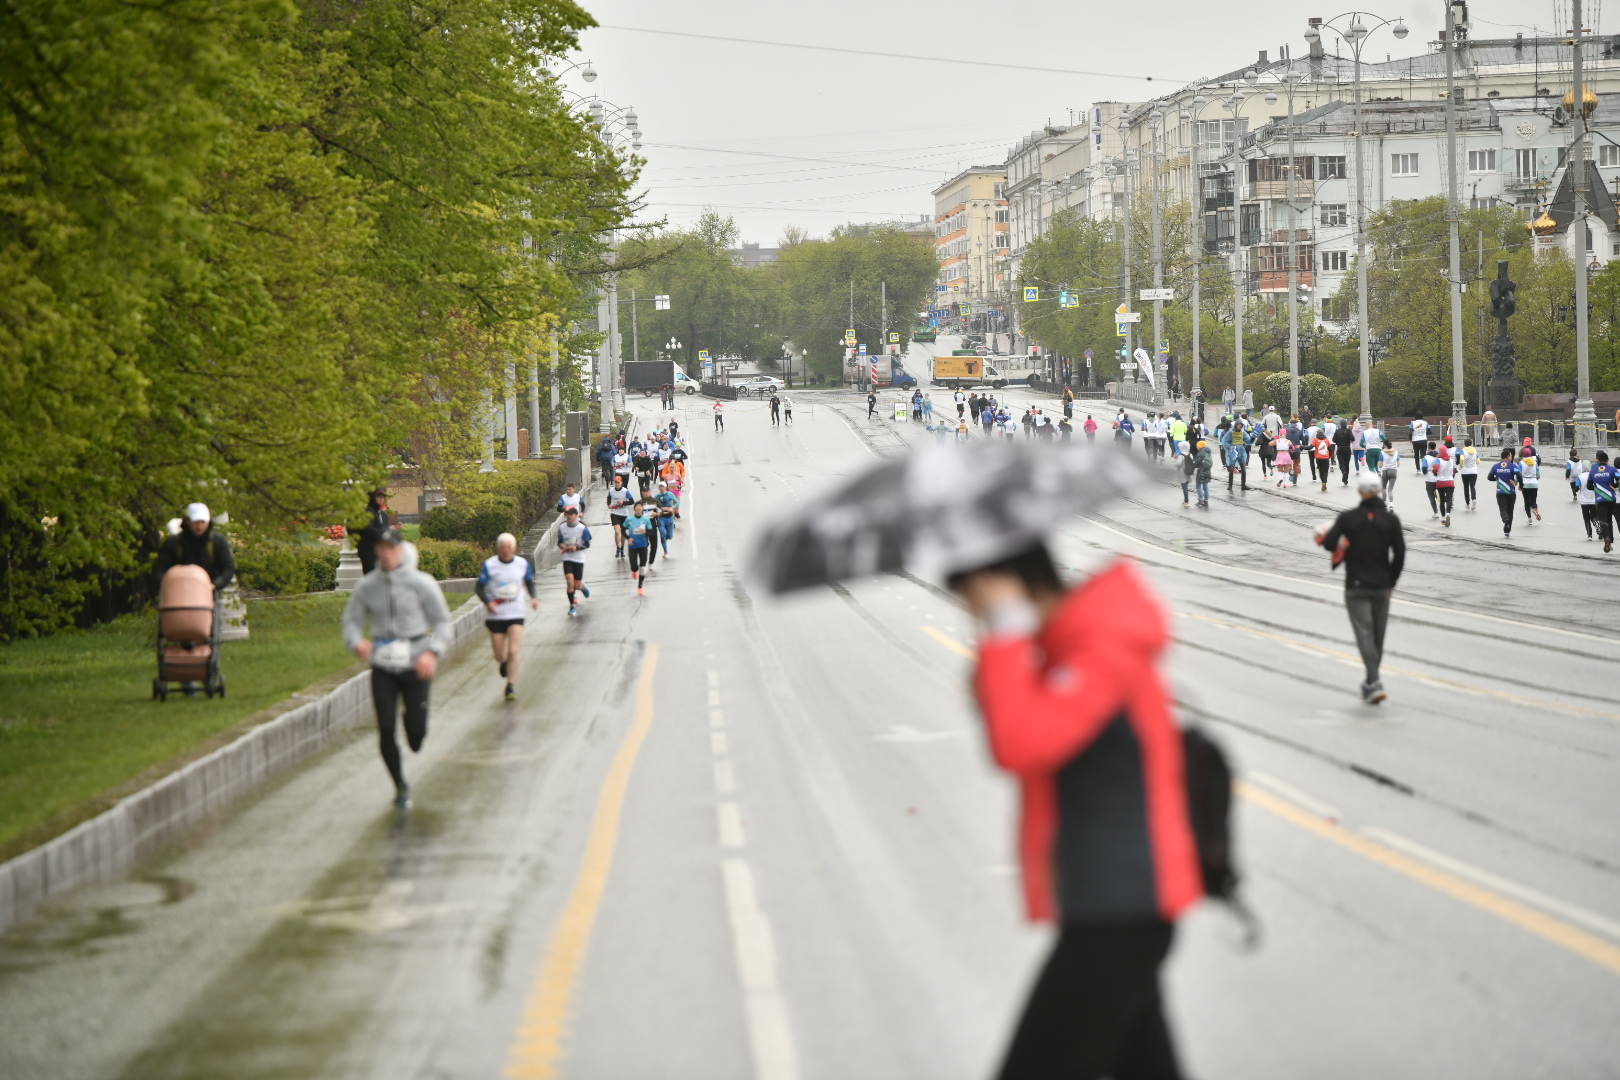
(79, 728)
(411, 532)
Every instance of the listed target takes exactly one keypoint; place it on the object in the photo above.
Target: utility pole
(852, 303)
(1363, 330)
(556, 395)
(883, 319)
(1158, 237)
(635, 331)
(1198, 103)
(1456, 28)
(1125, 228)
(1585, 415)
(1293, 255)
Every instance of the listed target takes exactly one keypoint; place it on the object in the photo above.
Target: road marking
(904, 733)
(714, 678)
(1291, 792)
(717, 718)
(1451, 685)
(1590, 919)
(1334, 587)
(1587, 946)
(714, 698)
(729, 819)
(1488, 897)
(769, 1036)
(725, 780)
(717, 742)
(949, 642)
(537, 1050)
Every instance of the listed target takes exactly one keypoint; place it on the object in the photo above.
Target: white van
(685, 382)
(1022, 368)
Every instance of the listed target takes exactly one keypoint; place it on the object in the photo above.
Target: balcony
(1221, 200)
(1276, 281)
(1280, 236)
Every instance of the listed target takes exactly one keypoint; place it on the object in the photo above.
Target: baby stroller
(188, 634)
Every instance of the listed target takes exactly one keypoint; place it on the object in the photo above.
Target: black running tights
(387, 688)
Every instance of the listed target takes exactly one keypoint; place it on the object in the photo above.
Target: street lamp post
(1585, 416)
(1125, 228)
(1457, 29)
(1158, 235)
(1240, 295)
(1355, 35)
(1290, 82)
(1193, 116)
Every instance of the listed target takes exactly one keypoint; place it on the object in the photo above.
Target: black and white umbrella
(942, 509)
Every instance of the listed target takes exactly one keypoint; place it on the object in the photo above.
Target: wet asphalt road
(719, 836)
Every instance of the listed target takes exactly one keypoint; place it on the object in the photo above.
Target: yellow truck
(965, 372)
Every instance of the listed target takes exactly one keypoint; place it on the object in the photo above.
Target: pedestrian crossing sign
(894, 338)
(1071, 300)
(703, 355)
(1032, 293)
(849, 337)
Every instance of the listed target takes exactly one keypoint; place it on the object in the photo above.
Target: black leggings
(1504, 505)
(1095, 1010)
(1530, 496)
(1470, 496)
(387, 688)
(1588, 517)
(1344, 464)
(639, 558)
(1447, 495)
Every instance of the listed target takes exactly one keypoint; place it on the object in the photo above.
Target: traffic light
(1124, 352)
(1063, 298)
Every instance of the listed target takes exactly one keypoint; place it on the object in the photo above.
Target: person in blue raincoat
(1235, 453)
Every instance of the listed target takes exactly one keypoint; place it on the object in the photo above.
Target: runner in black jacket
(1367, 539)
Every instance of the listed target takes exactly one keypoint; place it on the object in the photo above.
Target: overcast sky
(784, 136)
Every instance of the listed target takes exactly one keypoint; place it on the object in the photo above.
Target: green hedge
(481, 506)
(449, 558)
(279, 567)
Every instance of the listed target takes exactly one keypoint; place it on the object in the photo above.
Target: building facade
(971, 234)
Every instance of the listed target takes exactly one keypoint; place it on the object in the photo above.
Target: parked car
(760, 386)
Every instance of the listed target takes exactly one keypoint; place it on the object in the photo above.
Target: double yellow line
(1589, 947)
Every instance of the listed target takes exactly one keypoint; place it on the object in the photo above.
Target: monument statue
(1505, 389)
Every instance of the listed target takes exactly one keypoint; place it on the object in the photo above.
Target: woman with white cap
(198, 543)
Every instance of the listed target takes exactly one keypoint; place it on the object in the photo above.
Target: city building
(750, 256)
(970, 243)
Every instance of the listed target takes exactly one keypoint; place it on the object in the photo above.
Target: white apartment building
(1510, 151)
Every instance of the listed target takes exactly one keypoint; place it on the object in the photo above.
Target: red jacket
(1079, 715)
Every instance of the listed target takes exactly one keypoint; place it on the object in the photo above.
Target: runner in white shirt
(572, 540)
(505, 577)
(1468, 469)
(1420, 439)
(619, 500)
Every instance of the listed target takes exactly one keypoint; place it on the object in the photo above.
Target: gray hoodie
(402, 603)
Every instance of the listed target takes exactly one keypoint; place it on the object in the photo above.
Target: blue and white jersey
(506, 583)
(575, 536)
(576, 500)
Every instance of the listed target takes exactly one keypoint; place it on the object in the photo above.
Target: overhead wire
(890, 55)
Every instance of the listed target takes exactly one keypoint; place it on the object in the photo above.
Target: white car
(761, 385)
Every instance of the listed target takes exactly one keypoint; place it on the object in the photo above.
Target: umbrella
(945, 508)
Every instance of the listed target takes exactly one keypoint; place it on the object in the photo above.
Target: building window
(1330, 168)
(1608, 155)
(1403, 164)
(1478, 161)
(1335, 260)
(1001, 240)
(1335, 213)
(1001, 217)
(1484, 203)
(1524, 163)
(1001, 191)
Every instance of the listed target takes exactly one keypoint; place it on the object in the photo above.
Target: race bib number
(507, 591)
(392, 655)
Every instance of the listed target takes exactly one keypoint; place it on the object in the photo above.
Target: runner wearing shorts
(505, 577)
(572, 539)
(619, 500)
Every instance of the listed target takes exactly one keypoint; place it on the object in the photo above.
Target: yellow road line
(1354, 660)
(537, 1050)
(946, 640)
(1587, 946)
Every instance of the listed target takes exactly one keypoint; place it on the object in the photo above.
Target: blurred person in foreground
(1075, 709)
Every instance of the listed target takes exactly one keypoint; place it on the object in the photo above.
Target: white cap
(198, 512)
(1368, 482)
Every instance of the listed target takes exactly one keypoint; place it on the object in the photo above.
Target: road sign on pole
(863, 350)
(849, 337)
(703, 354)
(1158, 294)
(1032, 293)
(661, 302)
(894, 338)
(1128, 317)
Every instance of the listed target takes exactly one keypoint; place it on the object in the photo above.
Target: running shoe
(511, 692)
(1374, 693)
(503, 669)
(402, 797)
(573, 609)
(640, 591)
(583, 591)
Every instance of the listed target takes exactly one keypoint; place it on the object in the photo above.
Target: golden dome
(1543, 225)
(1589, 100)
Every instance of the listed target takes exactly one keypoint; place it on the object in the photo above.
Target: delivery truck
(965, 372)
(648, 375)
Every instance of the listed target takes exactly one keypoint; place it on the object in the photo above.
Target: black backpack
(1209, 807)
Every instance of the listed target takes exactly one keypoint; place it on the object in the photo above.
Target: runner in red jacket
(1074, 708)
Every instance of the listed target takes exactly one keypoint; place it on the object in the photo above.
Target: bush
(269, 566)
(484, 505)
(449, 558)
